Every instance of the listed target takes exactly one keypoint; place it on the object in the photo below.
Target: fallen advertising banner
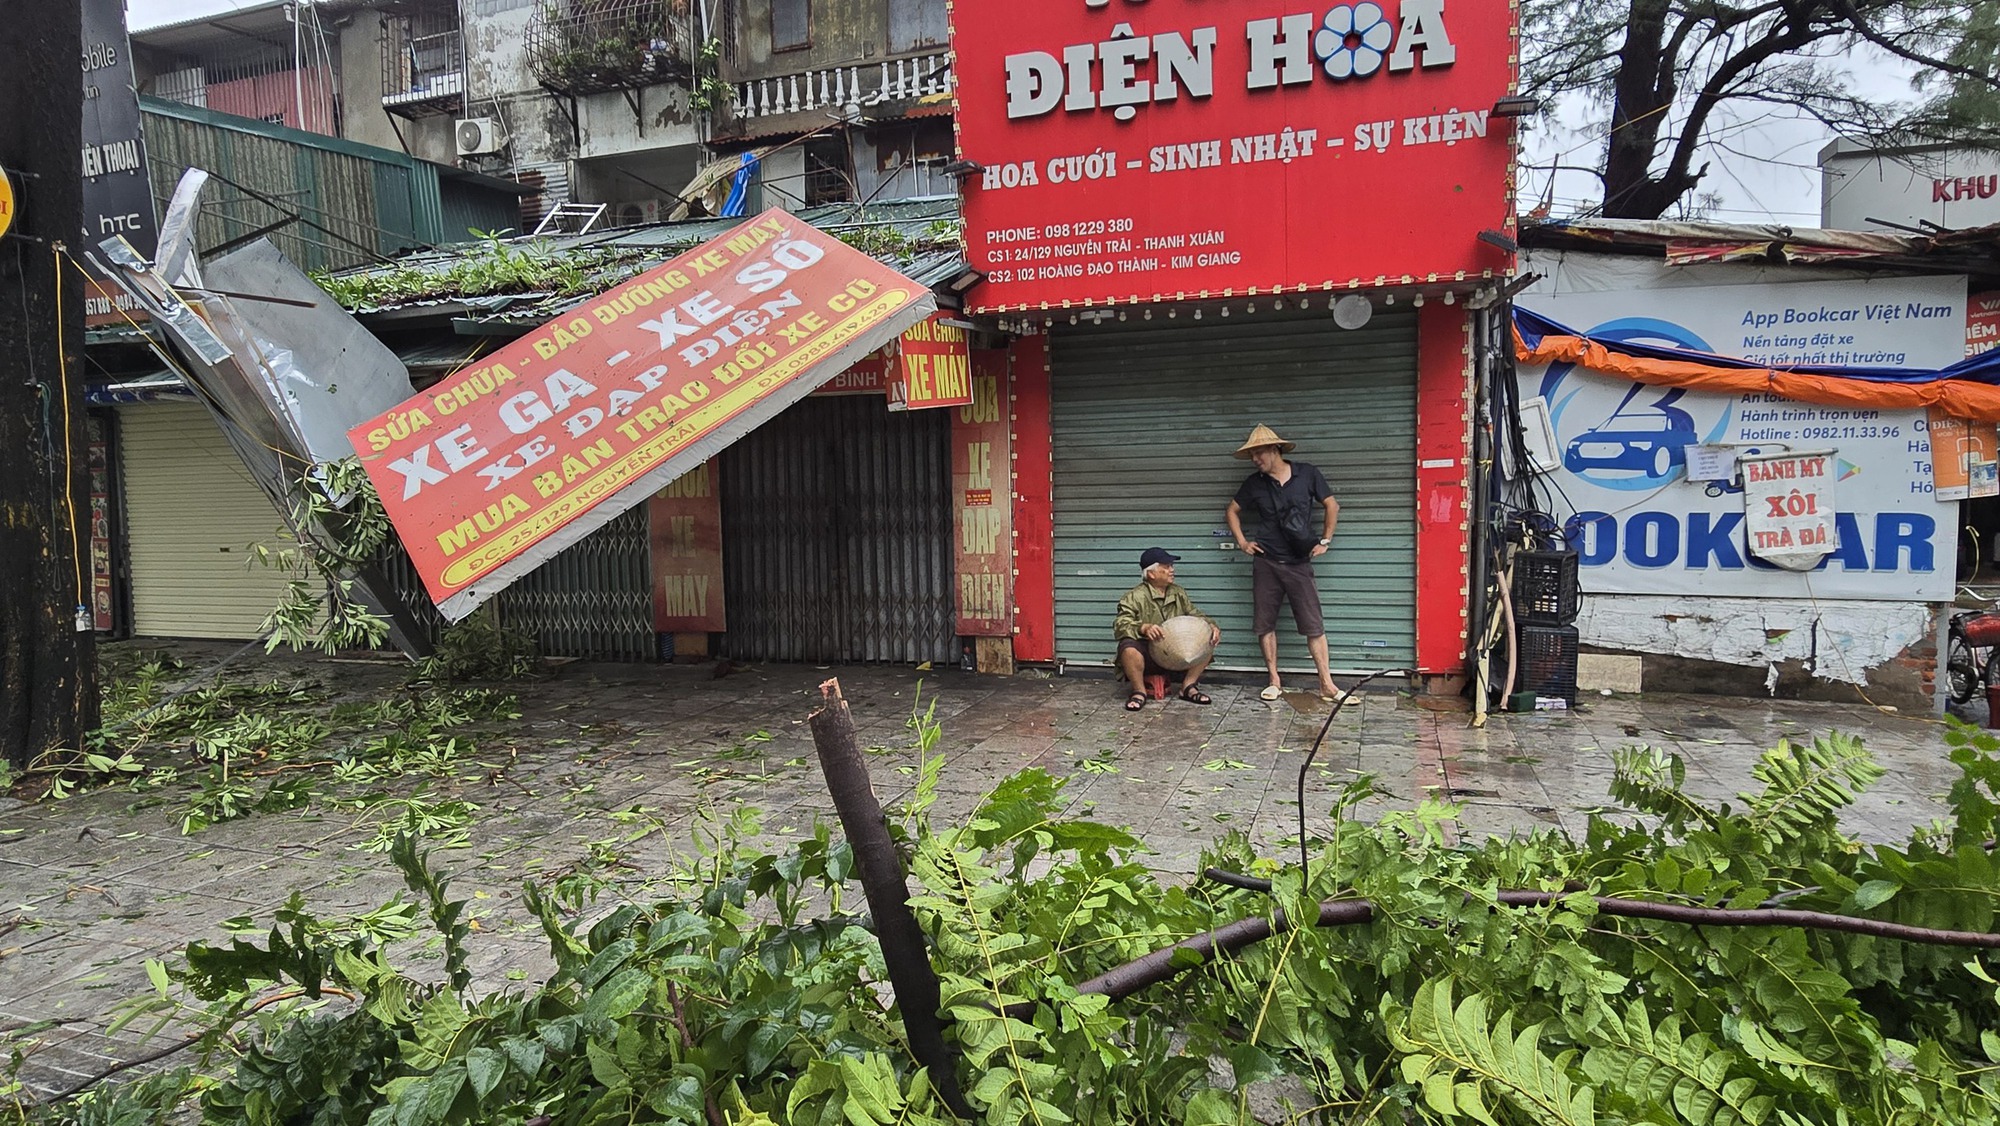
(495, 469)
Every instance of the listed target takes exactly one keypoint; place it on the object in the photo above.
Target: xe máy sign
(1179, 149)
(933, 367)
(493, 470)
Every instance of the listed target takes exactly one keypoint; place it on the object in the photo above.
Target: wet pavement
(608, 766)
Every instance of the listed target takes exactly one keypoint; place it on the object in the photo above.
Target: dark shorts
(1273, 584)
(1145, 652)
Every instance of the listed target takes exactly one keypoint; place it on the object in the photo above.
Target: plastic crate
(1545, 587)
(1547, 661)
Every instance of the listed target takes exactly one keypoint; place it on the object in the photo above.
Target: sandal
(1195, 695)
(1270, 692)
(1135, 701)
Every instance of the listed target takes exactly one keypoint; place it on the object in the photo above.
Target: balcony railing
(593, 46)
(423, 70)
(849, 87)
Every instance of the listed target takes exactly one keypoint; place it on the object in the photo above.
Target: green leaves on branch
(338, 526)
(751, 998)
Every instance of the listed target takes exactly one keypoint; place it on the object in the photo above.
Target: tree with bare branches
(1662, 77)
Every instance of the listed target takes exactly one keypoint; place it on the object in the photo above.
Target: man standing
(1283, 495)
(1140, 614)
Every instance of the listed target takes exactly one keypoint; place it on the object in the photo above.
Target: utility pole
(48, 677)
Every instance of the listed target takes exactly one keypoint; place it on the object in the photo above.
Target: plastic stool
(1156, 686)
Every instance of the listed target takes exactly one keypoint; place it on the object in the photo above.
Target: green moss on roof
(573, 266)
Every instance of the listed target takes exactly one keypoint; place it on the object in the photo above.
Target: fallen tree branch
(186, 1043)
(1151, 969)
(880, 869)
(1704, 916)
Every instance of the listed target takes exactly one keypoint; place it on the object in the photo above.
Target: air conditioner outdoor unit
(478, 136)
(639, 212)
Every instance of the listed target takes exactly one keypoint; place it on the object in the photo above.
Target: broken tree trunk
(887, 887)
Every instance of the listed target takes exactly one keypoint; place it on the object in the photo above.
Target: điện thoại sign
(1178, 150)
(495, 469)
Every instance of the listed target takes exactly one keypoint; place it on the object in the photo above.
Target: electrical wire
(56, 253)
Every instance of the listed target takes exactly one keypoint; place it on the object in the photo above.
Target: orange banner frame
(1975, 402)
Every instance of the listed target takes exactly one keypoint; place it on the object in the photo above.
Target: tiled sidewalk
(608, 765)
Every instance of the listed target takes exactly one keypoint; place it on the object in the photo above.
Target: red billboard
(496, 468)
(1181, 149)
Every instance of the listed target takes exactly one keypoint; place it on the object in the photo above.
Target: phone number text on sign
(1098, 248)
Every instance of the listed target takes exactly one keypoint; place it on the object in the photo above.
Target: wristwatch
(1325, 541)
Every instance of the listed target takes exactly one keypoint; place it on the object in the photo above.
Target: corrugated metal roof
(1974, 251)
(433, 357)
(919, 237)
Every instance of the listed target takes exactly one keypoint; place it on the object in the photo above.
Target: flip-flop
(1270, 692)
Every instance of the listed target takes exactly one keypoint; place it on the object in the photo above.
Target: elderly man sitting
(1140, 614)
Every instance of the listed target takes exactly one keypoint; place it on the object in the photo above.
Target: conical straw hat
(1261, 437)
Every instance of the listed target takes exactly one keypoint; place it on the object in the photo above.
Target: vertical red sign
(686, 521)
(934, 368)
(982, 500)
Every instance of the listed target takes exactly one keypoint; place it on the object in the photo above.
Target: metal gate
(1145, 416)
(591, 600)
(836, 520)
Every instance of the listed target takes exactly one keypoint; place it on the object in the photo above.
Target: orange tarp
(1960, 398)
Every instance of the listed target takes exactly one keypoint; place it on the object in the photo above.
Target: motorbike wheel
(1962, 671)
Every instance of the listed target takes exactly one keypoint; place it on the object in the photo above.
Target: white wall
(1845, 639)
(1955, 189)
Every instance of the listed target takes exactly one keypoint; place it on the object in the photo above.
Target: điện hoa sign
(1184, 149)
(495, 469)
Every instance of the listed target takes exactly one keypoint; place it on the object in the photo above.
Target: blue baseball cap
(1154, 555)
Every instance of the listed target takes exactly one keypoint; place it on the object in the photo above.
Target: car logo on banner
(1642, 443)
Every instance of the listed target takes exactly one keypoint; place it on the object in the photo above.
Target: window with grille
(791, 24)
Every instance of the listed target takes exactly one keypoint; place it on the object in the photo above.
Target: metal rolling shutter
(1146, 415)
(191, 513)
(593, 599)
(836, 519)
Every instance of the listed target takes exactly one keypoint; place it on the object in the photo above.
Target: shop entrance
(1146, 415)
(836, 526)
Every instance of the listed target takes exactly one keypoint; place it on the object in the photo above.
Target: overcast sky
(142, 14)
(1768, 169)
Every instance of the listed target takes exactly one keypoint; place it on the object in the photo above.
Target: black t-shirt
(1307, 490)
